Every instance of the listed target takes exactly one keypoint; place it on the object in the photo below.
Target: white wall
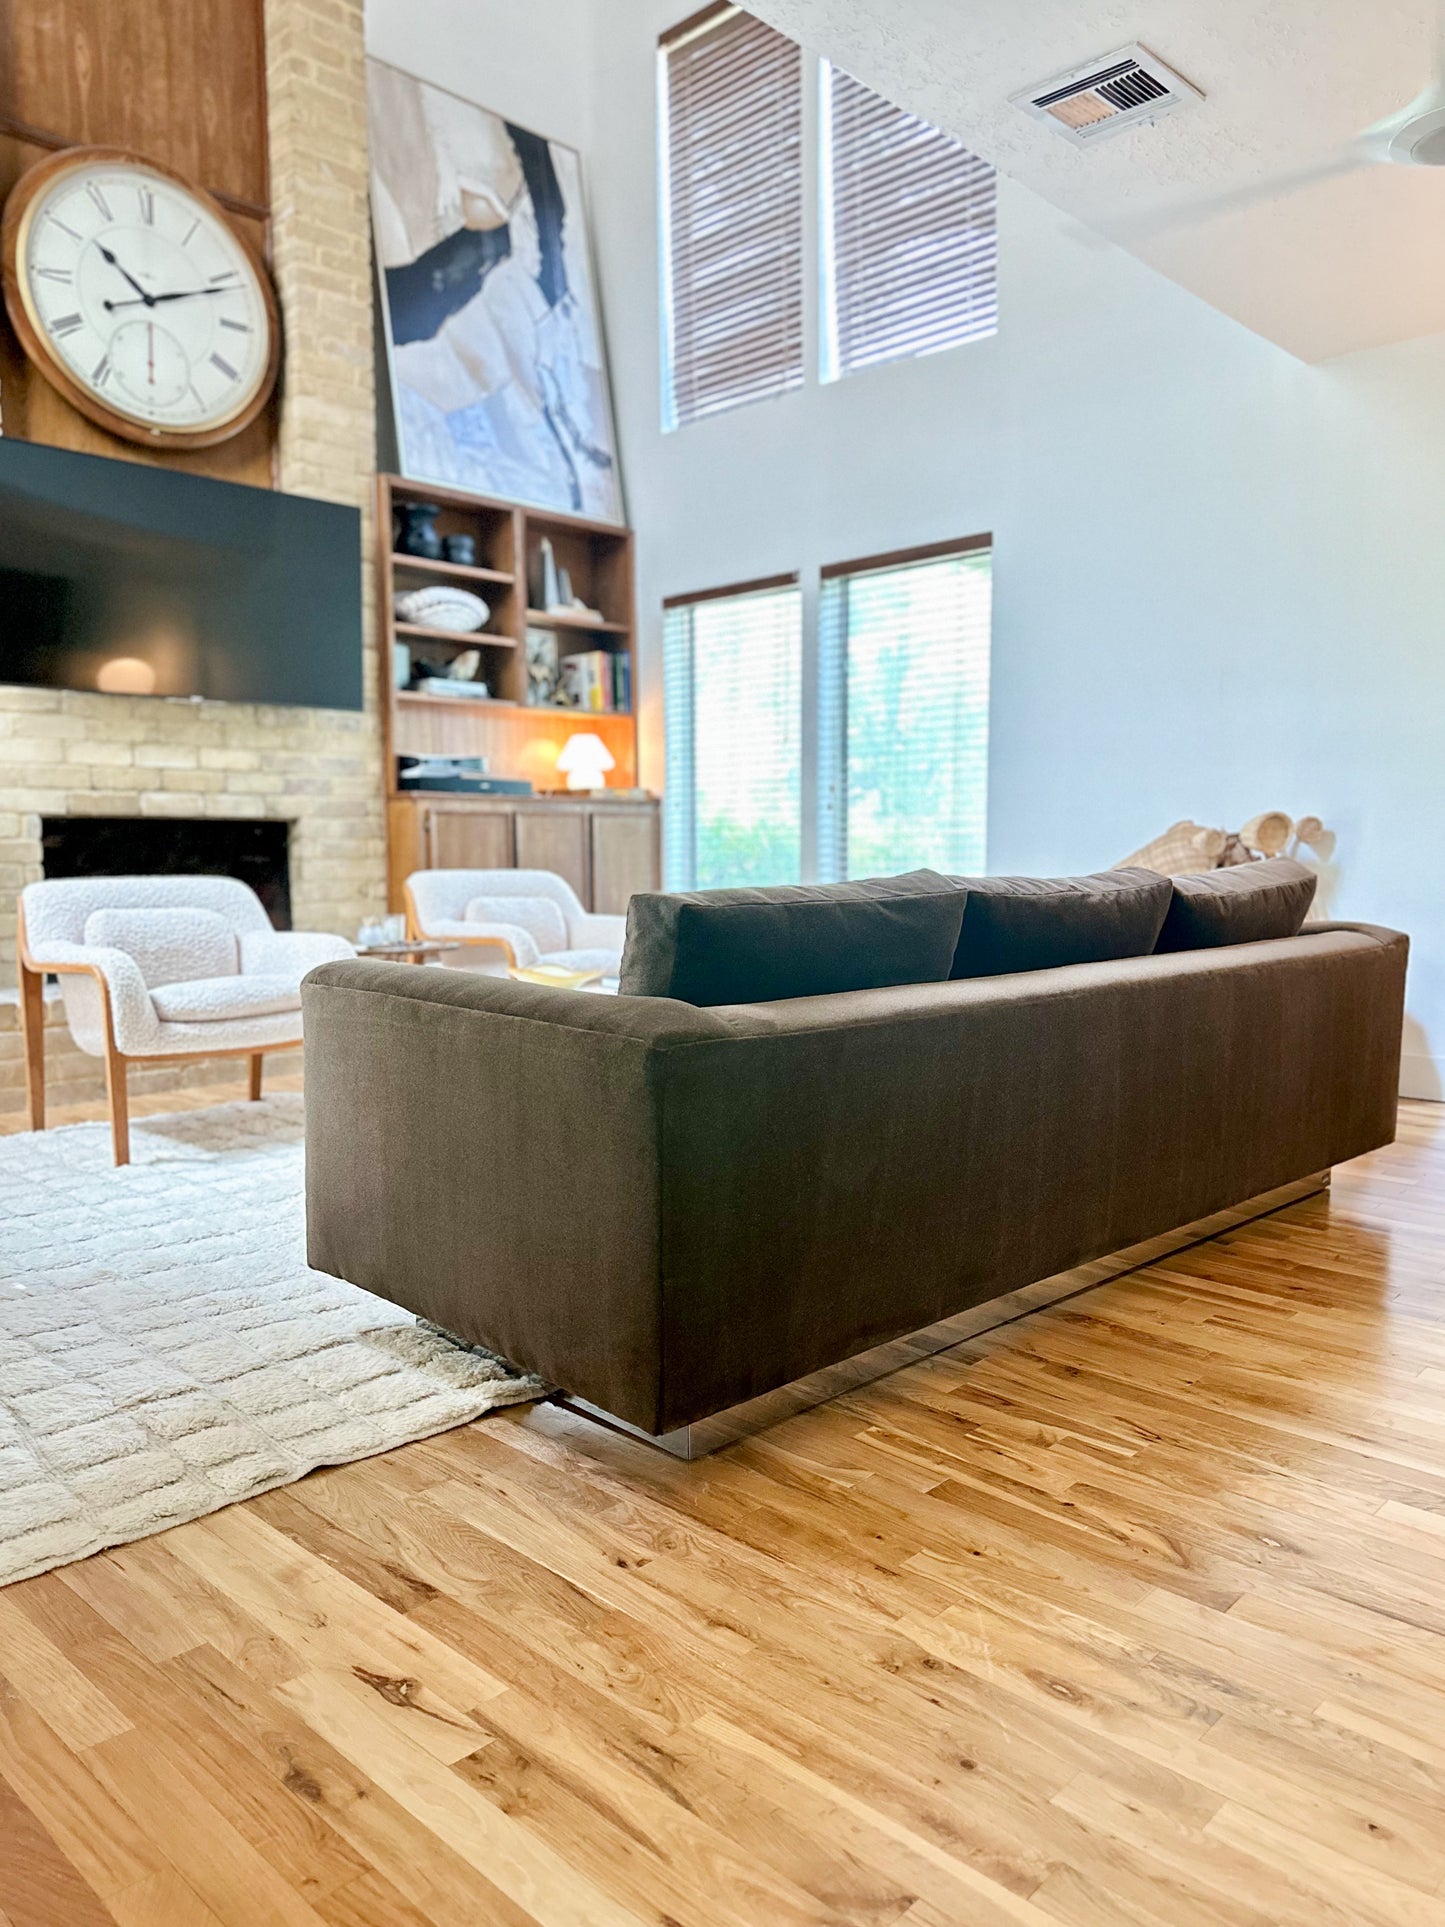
(526, 59)
(1219, 573)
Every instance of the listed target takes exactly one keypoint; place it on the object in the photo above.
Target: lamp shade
(585, 761)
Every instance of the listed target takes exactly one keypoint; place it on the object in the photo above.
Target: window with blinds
(732, 693)
(903, 714)
(731, 116)
(910, 249)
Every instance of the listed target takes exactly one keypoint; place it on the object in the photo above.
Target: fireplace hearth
(253, 851)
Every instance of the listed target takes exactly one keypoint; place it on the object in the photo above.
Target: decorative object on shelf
(444, 607)
(465, 666)
(543, 668)
(565, 597)
(585, 760)
(401, 671)
(416, 530)
(137, 300)
(449, 685)
(498, 376)
(462, 775)
(549, 586)
(461, 549)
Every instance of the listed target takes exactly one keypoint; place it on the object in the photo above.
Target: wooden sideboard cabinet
(605, 850)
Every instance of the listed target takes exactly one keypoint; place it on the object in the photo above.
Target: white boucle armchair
(526, 916)
(160, 967)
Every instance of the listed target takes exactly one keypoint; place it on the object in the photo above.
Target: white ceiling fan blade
(1236, 200)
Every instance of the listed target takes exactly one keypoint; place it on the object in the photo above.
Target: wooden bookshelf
(518, 738)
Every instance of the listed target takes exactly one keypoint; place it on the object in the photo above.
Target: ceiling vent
(1106, 96)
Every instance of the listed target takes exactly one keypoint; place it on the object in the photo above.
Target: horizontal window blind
(732, 202)
(903, 723)
(909, 235)
(732, 692)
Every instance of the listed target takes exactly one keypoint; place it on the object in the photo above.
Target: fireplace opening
(122, 846)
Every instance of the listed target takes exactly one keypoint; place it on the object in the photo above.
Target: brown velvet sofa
(667, 1209)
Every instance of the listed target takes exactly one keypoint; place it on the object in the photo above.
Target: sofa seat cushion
(710, 947)
(168, 946)
(1246, 903)
(216, 1000)
(1039, 923)
(540, 917)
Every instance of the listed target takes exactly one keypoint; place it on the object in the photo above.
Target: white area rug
(164, 1349)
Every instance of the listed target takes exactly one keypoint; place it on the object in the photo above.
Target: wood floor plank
(1130, 1613)
(40, 1885)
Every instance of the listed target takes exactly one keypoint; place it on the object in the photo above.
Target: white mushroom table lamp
(585, 761)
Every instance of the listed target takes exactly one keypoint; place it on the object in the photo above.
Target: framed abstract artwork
(489, 303)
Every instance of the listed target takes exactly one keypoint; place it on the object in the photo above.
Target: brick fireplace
(314, 773)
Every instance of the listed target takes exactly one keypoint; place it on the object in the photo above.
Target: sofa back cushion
(800, 940)
(540, 917)
(1246, 903)
(1037, 923)
(169, 946)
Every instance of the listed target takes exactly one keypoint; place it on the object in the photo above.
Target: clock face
(140, 293)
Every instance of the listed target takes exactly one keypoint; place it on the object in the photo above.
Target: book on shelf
(597, 681)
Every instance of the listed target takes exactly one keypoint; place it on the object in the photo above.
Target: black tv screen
(146, 581)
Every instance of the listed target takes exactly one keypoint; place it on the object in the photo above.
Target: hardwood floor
(1129, 1614)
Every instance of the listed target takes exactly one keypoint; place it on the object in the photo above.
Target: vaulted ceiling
(1344, 263)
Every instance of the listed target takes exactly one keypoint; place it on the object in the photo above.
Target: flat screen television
(120, 577)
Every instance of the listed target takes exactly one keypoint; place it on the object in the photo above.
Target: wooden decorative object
(137, 299)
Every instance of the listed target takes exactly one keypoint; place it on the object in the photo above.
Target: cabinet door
(468, 839)
(553, 836)
(624, 857)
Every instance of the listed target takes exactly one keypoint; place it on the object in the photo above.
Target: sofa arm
(485, 1153)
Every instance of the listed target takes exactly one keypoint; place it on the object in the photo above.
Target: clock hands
(111, 262)
(154, 300)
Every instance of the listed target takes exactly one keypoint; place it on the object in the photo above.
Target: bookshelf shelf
(453, 571)
(587, 625)
(463, 638)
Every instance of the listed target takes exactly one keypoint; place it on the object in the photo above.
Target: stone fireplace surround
(65, 753)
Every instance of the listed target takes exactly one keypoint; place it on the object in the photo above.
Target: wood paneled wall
(180, 81)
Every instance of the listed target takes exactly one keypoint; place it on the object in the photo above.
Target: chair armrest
(133, 1021)
(290, 953)
(595, 932)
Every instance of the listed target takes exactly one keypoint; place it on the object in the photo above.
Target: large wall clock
(134, 296)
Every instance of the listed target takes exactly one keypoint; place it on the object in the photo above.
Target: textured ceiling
(1347, 263)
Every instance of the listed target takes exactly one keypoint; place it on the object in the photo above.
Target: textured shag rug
(164, 1349)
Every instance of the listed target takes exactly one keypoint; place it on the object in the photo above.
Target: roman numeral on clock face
(101, 371)
(147, 205)
(241, 327)
(66, 324)
(100, 201)
(62, 275)
(219, 361)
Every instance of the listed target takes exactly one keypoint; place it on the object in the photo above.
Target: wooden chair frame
(117, 1064)
(416, 933)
